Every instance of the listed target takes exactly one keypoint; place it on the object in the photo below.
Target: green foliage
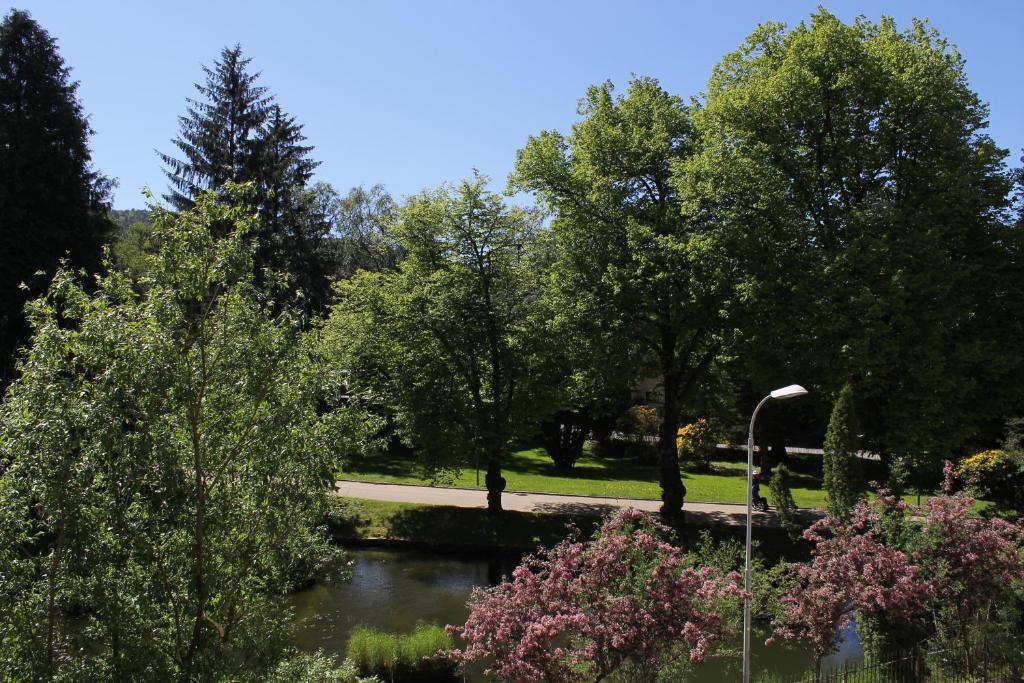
(134, 244)
(769, 584)
(858, 153)
(402, 656)
(448, 343)
(997, 476)
(842, 469)
(696, 444)
(164, 462)
(317, 668)
(641, 421)
(785, 507)
(235, 132)
(639, 284)
(364, 222)
(53, 205)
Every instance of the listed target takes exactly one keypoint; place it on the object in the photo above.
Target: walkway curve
(701, 513)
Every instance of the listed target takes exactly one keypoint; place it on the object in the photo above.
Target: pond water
(392, 589)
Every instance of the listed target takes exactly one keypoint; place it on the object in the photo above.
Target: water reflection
(393, 589)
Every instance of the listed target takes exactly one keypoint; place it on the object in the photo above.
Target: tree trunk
(495, 484)
(672, 490)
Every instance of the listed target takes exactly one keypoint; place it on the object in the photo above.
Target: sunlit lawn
(532, 470)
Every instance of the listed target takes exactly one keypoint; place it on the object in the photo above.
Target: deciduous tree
(645, 287)
(863, 147)
(363, 222)
(164, 457)
(448, 341)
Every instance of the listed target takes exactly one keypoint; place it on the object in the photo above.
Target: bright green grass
(395, 656)
(532, 470)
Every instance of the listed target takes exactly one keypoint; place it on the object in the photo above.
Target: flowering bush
(996, 475)
(983, 465)
(696, 444)
(973, 563)
(851, 572)
(585, 609)
(937, 569)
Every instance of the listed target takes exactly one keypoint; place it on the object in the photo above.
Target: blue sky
(411, 94)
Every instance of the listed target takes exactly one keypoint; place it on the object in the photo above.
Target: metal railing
(919, 666)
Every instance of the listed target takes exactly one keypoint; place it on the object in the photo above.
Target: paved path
(702, 513)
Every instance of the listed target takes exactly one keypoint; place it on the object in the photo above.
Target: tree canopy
(447, 342)
(164, 459)
(53, 204)
(645, 287)
(862, 149)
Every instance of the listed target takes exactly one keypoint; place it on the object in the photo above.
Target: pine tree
(782, 498)
(53, 205)
(843, 473)
(295, 226)
(220, 134)
(237, 132)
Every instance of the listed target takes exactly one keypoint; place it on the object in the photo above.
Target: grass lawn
(617, 477)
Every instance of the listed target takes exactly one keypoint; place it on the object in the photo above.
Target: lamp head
(792, 391)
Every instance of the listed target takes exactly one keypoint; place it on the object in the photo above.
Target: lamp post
(792, 391)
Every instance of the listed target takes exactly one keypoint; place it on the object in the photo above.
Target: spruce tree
(843, 474)
(236, 132)
(295, 225)
(53, 205)
(221, 132)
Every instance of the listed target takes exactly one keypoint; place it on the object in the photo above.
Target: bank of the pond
(358, 522)
(391, 590)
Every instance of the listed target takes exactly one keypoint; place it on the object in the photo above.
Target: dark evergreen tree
(53, 205)
(236, 132)
(843, 473)
(780, 489)
(221, 133)
(296, 221)
(1018, 176)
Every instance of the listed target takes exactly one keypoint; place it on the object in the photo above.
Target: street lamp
(792, 391)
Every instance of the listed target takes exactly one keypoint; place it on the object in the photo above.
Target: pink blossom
(582, 610)
(900, 562)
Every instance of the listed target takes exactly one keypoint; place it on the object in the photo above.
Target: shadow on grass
(532, 462)
(573, 509)
(475, 527)
(385, 464)
(450, 529)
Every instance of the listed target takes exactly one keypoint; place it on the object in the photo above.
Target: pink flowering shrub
(851, 573)
(973, 563)
(584, 609)
(937, 568)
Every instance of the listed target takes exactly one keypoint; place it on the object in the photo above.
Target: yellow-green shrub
(696, 443)
(997, 476)
(984, 465)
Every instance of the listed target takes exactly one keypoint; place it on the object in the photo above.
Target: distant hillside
(124, 218)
